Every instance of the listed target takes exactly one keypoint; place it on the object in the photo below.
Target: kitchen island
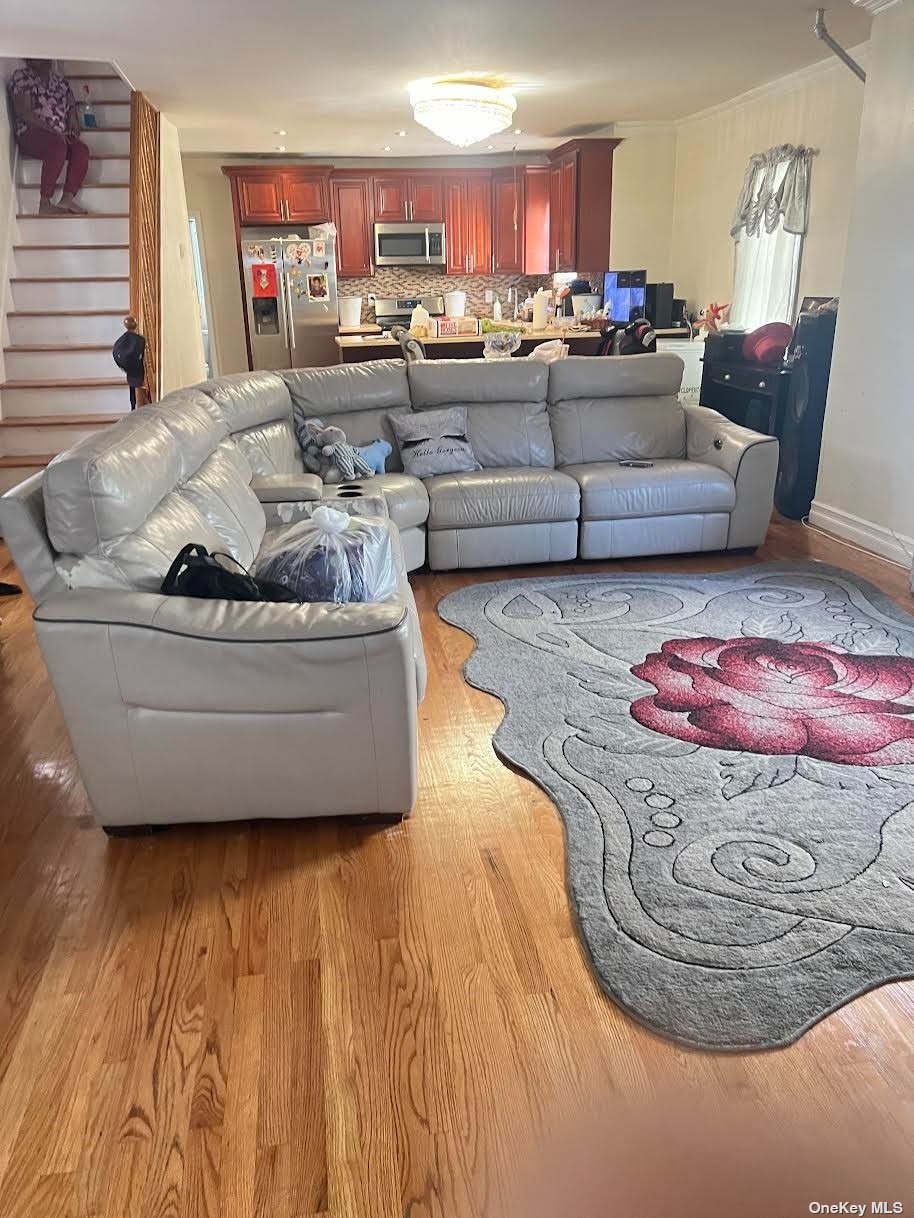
(354, 348)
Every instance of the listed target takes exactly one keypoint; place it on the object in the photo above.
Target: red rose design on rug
(763, 696)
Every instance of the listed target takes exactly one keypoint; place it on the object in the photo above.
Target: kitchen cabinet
(580, 205)
(520, 220)
(409, 197)
(468, 223)
(352, 208)
(280, 195)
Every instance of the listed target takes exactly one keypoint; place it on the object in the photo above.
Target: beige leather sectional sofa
(204, 710)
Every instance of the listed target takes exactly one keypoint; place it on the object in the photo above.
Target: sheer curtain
(769, 225)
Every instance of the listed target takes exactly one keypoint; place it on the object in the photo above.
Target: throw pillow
(434, 442)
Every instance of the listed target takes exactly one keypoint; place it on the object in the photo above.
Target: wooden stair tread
(68, 278)
(94, 76)
(62, 420)
(85, 186)
(92, 382)
(71, 246)
(72, 215)
(27, 461)
(66, 313)
(58, 347)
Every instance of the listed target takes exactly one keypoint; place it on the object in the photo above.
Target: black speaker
(809, 357)
(658, 305)
(679, 311)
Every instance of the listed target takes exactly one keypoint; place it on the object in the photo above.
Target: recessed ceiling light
(280, 132)
(517, 131)
(490, 146)
(280, 147)
(401, 133)
(386, 148)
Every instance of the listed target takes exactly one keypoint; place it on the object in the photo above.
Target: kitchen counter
(355, 348)
(367, 328)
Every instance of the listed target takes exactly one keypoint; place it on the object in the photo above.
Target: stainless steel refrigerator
(290, 298)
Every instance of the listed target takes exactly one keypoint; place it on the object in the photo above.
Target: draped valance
(776, 188)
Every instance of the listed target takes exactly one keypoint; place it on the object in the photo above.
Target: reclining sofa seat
(518, 508)
(192, 710)
(709, 484)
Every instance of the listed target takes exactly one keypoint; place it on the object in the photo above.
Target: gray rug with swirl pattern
(733, 758)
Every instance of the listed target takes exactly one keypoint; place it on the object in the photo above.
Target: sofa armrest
(222, 621)
(751, 460)
(287, 488)
(189, 709)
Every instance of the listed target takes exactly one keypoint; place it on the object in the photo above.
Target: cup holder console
(350, 495)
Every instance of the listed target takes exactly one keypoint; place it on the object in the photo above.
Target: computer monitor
(624, 294)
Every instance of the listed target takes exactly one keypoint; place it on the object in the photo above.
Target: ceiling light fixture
(280, 133)
(401, 133)
(517, 131)
(462, 112)
(386, 148)
(280, 147)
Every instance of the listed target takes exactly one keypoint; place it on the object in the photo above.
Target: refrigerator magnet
(318, 287)
(319, 249)
(256, 252)
(263, 279)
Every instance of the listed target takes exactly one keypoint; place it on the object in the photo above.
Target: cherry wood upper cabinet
(352, 208)
(280, 194)
(468, 223)
(409, 197)
(307, 197)
(520, 220)
(508, 195)
(260, 199)
(580, 205)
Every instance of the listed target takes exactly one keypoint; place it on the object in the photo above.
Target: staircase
(69, 292)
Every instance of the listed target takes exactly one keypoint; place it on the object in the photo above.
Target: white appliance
(290, 298)
(409, 243)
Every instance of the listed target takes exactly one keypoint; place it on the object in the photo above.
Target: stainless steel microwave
(409, 244)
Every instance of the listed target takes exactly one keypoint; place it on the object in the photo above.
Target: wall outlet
(490, 296)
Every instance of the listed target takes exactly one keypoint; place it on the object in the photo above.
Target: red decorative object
(767, 344)
(764, 696)
(263, 279)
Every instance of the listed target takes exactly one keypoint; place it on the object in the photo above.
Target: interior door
(426, 199)
(391, 198)
(307, 198)
(260, 199)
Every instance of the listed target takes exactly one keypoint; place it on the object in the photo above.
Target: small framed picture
(318, 287)
(319, 249)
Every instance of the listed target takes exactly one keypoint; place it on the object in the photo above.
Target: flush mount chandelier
(462, 112)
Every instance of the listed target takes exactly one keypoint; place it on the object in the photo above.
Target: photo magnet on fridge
(318, 288)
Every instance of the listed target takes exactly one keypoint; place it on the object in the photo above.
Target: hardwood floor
(317, 1019)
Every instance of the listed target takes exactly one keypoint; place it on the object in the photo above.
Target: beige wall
(821, 109)
(182, 343)
(866, 489)
(644, 181)
(209, 197)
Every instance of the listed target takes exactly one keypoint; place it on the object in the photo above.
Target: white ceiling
(335, 75)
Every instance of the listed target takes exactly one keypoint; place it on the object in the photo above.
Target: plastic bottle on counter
(540, 306)
(418, 321)
(496, 309)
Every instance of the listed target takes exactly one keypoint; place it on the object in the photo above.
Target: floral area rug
(733, 758)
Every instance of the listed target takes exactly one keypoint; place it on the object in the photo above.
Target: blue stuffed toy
(375, 454)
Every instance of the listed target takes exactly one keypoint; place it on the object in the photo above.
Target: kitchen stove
(396, 311)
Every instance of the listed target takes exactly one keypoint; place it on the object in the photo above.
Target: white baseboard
(895, 546)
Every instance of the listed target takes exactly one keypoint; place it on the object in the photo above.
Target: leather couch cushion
(109, 483)
(271, 448)
(248, 398)
(610, 491)
(615, 376)
(220, 490)
(507, 423)
(503, 496)
(616, 408)
(406, 498)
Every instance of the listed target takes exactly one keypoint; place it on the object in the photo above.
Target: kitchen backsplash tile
(402, 281)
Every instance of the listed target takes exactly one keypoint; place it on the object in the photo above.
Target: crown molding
(873, 7)
(783, 84)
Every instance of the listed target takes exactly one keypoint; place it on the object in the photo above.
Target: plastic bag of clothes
(332, 557)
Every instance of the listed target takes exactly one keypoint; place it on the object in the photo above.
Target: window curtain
(769, 224)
